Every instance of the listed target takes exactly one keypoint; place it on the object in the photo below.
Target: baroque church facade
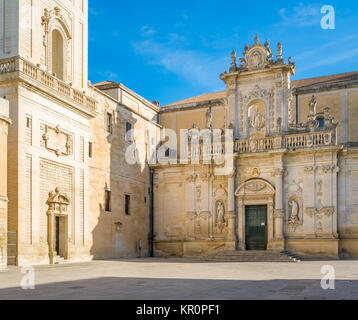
(68, 193)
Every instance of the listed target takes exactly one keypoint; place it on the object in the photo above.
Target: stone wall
(4, 122)
(114, 233)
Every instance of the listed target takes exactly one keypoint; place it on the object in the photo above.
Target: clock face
(256, 60)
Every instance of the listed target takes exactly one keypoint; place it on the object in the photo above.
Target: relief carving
(57, 141)
(256, 186)
(256, 118)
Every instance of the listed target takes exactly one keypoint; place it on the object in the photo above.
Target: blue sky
(172, 50)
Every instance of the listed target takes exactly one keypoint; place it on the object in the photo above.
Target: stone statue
(313, 105)
(220, 213)
(256, 119)
(294, 218)
(209, 119)
(279, 49)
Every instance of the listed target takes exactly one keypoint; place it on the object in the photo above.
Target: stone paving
(163, 279)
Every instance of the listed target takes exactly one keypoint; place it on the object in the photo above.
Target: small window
(127, 204)
(108, 201)
(28, 122)
(167, 153)
(129, 137)
(90, 149)
(109, 122)
(320, 122)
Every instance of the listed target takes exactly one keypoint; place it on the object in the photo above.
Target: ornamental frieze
(325, 211)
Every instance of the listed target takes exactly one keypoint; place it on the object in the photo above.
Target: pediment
(255, 187)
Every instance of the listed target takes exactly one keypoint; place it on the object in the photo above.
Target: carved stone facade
(74, 196)
(288, 169)
(62, 160)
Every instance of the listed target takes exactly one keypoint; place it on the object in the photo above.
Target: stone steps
(252, 256)
(60, 260)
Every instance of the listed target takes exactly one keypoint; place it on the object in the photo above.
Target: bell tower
(258, 92)
(50, 34)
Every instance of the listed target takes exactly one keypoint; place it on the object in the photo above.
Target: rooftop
(297, 84)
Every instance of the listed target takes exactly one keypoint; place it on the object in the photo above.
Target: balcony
(49, 83)
(289, 142)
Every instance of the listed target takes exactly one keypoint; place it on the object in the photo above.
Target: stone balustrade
(18, 64)
(290, 142)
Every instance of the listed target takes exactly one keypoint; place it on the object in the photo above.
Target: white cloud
(196, 67)
(329, 61)
(147, 31)
(326, 46)
(300, 16)
(108, 75)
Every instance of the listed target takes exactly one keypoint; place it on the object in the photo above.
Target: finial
(256, 39)
(279, 49)
(267, 44)
(233, 67)
(279, 52)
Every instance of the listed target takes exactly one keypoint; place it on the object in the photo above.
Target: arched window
(57, 54)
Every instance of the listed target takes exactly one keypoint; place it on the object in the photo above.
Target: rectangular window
(129, 137)
(90, 149)
(29, 130)
(108, 201)
(109, 122)
(128, 203)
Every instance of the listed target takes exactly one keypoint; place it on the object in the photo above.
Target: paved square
(162, 279)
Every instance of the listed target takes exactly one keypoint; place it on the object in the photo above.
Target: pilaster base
(277, 245)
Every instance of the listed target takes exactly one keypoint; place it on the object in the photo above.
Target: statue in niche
(220, 213)
(294, 214)
(256, 119)
(313, 105)
(221, 222)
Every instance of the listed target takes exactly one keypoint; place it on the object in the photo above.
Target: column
(231, 205)
(4, 123)
(279, 210)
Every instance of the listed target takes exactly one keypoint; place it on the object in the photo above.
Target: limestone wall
(4, 122)
(28, 27)
(113, 233)
(343, 106)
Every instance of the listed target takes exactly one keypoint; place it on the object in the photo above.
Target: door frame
(266, 225)
(255, 192)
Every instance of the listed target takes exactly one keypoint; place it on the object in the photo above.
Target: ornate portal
(57, 214)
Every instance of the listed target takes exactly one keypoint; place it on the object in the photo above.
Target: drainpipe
(151, 214)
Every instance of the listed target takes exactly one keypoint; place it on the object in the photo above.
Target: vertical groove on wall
(82, 211)
(82, 149)
(29, 199)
